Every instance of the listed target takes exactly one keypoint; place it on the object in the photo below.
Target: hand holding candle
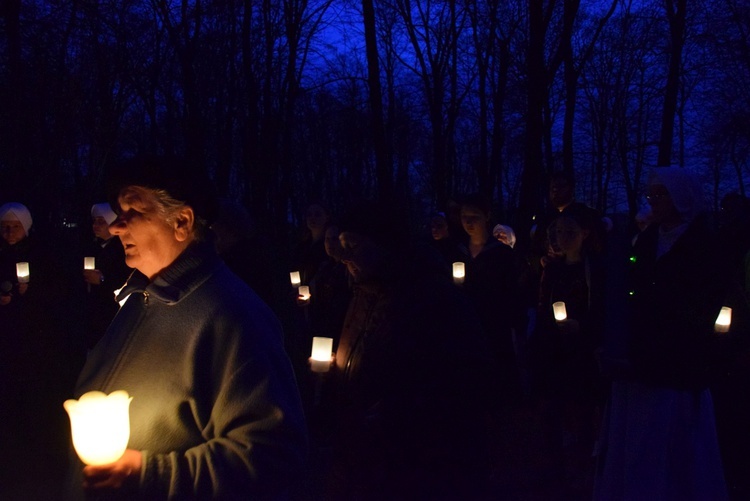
(304, 292)
(89, 263)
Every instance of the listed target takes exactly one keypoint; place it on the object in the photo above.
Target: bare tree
(676, 11)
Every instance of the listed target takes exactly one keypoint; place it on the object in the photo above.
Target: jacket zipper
(145, 298)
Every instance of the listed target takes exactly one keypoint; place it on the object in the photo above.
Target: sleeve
(255, 439)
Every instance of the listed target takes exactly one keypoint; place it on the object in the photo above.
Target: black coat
(674, 301)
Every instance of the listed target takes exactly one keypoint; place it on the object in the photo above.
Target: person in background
(310, 251)
(642, 219)
(562, 201)
(215, 412)
(439, 226)
(443, 241)
(38, 360)
(659, 436)
(493, 284)
(245, 251)
(330, 290)
(411, 372)
(110, 274)
(566, 382)
(730, 388)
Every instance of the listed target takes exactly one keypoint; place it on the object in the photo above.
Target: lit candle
(558, 308)
(724, 320)
(459, 272)
(304, 291)
(100, 425)
(23, 273)
(89, 263)
(322, 347)
(295, 278)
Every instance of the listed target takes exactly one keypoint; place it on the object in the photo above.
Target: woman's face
(100, 226)
(568, 235)
(662, 206)
(361, 255)
(316, 217)
(332, 244)
(439, 228)
(12, 230)
(474, 221)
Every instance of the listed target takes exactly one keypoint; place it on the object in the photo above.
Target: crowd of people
(606, 335)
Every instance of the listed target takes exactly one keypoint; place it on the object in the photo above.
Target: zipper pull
(145, 298)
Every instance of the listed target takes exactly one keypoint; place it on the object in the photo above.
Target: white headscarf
(683, 187)
(14, 210)
(103, 210)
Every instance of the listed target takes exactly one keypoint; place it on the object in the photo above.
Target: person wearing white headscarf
(15, 221)
(659, 435)
(108, 274)
(38, 358)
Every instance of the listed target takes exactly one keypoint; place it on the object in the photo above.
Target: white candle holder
(322, 348)
(100, 426)
(724, 320)
(304, 292)
(89, 263)
(558, 309)
(459, 272)
(22, 272)
(295, 278)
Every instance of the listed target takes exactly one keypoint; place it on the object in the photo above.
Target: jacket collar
(191, 268)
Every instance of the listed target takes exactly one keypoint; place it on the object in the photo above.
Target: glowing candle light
(89, 263)
(724, 320)
(100, 425)
(459, 272)
(294, 277)
(558, 308)
(322, 347)
(23, 273)
(304, 291)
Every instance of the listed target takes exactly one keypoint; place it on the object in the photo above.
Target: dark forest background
(290, 101)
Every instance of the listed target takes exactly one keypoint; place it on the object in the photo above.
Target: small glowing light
(100, 425)
(459, 272)
(89, 263)
(22, 272)
(322, 347)
(631, 293)
(724, 320)
(558, 309)
(632, 259)
(294, 277)
(304, 291)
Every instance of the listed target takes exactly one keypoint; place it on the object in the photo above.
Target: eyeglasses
(656, 197)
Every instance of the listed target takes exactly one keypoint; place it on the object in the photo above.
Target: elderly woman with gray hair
(659, 435)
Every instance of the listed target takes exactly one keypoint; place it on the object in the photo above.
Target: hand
(301, 301)
(123, 474)
(22, 288)
(568, 326)
(93, 277)
(331, 363)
